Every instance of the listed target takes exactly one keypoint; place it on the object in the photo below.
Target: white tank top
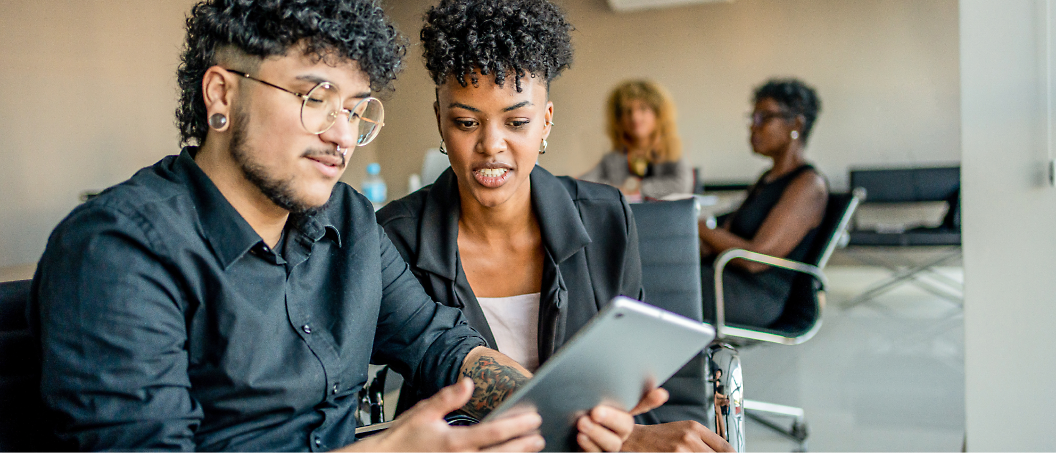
(514, 322)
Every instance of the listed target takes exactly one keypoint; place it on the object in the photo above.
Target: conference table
(17, 272)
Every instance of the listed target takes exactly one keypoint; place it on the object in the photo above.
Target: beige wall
(87, 97)
(87, 90)
(886, 70)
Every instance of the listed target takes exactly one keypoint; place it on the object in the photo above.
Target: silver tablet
(628, 348)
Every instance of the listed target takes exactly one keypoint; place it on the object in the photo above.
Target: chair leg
(901, 274)
(726, 401)
(797, 432)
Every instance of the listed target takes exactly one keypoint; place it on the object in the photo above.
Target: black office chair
(670, 251)
(22, 421)
(801, 318)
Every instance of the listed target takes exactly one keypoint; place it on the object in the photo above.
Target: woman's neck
(788, 161)
(498, 223)
(494, 240)
(640, 147)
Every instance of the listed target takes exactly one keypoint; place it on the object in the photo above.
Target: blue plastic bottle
(374, 186)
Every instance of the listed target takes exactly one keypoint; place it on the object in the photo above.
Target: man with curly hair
(231, 297)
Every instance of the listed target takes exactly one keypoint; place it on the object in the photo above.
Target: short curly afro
(795, 97)
(499, 37)
(355, 30)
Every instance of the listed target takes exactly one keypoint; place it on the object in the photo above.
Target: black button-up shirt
(167, 323)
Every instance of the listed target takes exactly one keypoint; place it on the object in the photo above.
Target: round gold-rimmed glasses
(322, 104)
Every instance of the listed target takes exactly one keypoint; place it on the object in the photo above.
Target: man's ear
(218, 92)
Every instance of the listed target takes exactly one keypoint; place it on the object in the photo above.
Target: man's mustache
(334, 153)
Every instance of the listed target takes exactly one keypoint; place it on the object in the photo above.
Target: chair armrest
(371, 429)
(721, 329)
(376, 428)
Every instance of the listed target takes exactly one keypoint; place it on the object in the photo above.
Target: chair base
(724, 358)
(725, 399)
(797, 432)
(904, 271)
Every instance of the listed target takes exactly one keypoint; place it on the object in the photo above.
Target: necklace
(638, 163)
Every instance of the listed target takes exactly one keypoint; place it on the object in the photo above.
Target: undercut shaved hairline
(231, 57)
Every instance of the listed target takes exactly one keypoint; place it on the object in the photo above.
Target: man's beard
(277, 190)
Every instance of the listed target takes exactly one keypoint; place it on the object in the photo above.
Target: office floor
(887, 375)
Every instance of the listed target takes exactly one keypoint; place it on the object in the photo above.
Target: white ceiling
(633, 5)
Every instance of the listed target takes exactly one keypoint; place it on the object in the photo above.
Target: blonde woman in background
(646, 160)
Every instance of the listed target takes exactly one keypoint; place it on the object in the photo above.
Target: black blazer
(591, 252)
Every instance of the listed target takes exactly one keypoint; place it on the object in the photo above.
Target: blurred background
(88, 91)
(87, 95)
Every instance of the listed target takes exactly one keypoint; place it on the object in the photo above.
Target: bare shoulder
(811, 185)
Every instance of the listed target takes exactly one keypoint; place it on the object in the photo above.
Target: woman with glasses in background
(779, 217)
(646, 161)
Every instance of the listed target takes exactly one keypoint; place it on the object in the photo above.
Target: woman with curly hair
(646, 160)
(529, 257)
(781, 214)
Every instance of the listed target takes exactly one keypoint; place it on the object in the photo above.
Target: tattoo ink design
(493, 383)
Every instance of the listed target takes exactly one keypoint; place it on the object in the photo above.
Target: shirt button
(318, 442)
(334, 389)
(307, 329)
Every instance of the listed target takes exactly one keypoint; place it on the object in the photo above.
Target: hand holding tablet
(628, 349)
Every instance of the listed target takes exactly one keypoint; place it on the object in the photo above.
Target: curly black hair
(356, 30)
(522, 37)
(795, 97)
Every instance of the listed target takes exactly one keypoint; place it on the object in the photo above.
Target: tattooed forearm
(493, 383)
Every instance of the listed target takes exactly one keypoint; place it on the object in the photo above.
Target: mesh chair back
(803, 308)
(22, 426)
(670, 251)
(838, 213)
(14, 297)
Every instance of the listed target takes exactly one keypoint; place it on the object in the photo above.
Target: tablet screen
(627, 349)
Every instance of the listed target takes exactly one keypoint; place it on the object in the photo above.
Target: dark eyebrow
(473, 109)
(463, 106)
(317, 80)
(313, 78)
(517, 106)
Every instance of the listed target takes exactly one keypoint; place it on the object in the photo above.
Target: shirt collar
(563, 231)
(317, 224)
(439, 252)
(560, 225)
(228, 234)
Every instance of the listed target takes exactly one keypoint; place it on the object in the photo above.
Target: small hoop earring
(218, 121)
(442, 149)
(543, 149)
(795, 135)
(551, 124)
